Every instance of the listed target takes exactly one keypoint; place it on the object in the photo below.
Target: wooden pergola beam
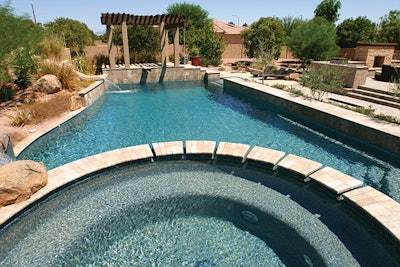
(165, 22)
(170, 21)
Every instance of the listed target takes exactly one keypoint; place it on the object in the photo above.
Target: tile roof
(222, 27)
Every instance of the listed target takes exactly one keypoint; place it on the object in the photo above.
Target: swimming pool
(151, 113)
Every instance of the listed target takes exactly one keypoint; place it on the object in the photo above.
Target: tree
(195, 16)
(390, 28)
(351, 31)
(144, 42)
(314, 40)
(328, 9)
(199, 32)
(20, 39)
(264, 35)
(75, 34)
(290, 23)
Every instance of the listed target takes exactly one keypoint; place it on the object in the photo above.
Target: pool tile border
(379, 206)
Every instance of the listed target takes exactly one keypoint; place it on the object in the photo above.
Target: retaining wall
(376, 136)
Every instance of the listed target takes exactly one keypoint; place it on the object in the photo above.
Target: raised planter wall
(355, 75)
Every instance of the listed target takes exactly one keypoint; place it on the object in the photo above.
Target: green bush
(84, 65)
(322, 79)
(25, 65)
(6, 93)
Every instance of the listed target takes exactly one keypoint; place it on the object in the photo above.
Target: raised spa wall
(137, 74)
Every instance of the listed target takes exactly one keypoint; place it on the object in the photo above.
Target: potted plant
(195, 56)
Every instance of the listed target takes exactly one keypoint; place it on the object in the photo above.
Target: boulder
(4, 140)
(48, 84)
(76, 102)
(5, 159)
(19, 180)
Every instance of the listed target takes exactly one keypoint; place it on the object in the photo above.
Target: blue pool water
(144, 114)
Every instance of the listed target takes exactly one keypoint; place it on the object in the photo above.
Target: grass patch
(366, 111)
(280, 86)
(387, 118)
(371, 112)
(295, 91)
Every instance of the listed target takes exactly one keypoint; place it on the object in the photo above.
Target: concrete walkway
(370, 82)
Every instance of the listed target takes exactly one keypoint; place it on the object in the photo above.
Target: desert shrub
(52, 108)
(84, 64)
(52, 47)
(68, 77)
(322, 79)
(40, 111)
(64, 71)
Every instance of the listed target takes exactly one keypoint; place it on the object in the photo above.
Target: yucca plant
(20, 118)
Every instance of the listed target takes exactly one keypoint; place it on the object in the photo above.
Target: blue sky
(249, 11)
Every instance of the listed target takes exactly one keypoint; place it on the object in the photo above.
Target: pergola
(165, 22)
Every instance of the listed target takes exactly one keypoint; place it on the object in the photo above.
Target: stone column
(163, 44)
(176, 47)
(110, 50)
(125, 44)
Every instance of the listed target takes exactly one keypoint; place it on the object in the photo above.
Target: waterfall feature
(112, 86)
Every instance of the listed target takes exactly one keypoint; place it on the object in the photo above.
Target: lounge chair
(281, 73)
(259, 73)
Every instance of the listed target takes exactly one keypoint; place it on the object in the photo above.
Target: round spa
(173, 213)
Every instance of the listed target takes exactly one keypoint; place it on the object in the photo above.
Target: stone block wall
(368, 52)
(139, 75)
(354, 75)
(92, 93)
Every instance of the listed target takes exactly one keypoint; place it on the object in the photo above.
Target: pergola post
(110, 50)
(176, 47)
(125, 44)
(163, 44)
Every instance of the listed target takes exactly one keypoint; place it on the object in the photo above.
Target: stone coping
(380, 207)
(91, 87)
(298, 165)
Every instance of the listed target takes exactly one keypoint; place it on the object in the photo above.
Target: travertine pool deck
(383, 209)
